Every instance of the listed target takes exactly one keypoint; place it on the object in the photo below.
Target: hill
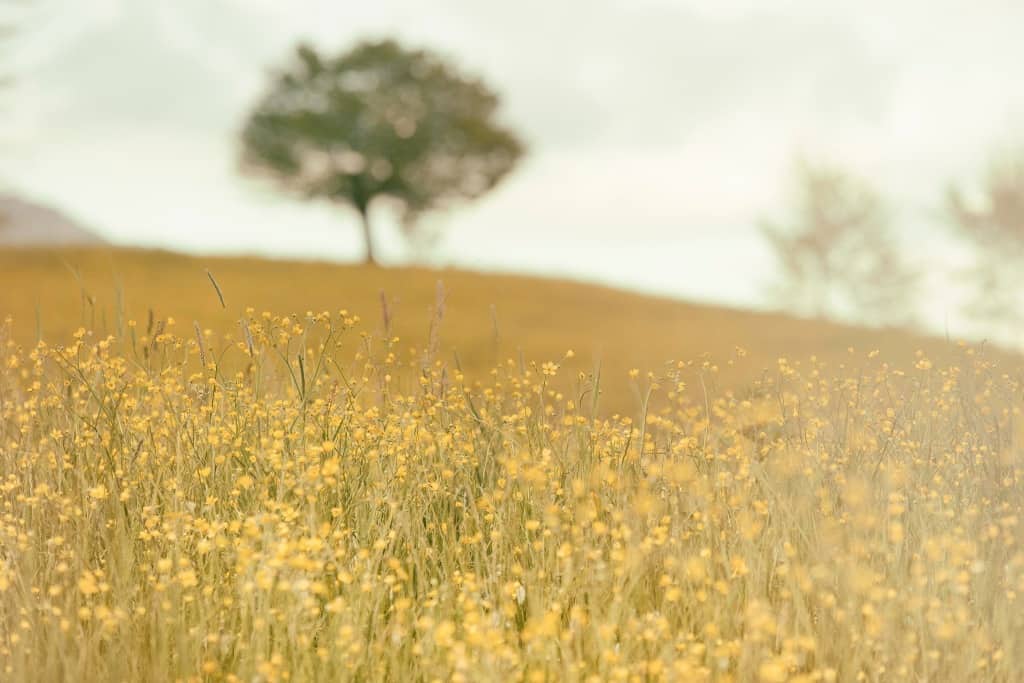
(25, 223)
(486, 319)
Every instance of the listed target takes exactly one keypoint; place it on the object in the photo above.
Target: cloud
(155, 64)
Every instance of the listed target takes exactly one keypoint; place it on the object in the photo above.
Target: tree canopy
(379, 121)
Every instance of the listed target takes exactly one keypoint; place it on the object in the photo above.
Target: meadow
(484, 319)
(352, 490)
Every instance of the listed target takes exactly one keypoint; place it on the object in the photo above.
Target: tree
(10, 20)
(838, 255)
(379, 121)
(991, 220)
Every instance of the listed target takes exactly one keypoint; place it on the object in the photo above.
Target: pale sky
(660, 131)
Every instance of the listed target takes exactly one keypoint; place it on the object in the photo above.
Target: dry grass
(301, 498)
(487, 318)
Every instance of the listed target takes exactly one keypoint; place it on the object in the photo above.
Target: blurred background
(850, 160)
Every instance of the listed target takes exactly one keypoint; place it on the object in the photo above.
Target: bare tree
(837, 252)
(991, 220)
(11, 17)
(7, 32)
(17, 18)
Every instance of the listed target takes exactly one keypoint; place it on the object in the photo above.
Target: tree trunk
(364, 216)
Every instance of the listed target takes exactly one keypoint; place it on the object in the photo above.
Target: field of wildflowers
(487, 318)
(294, 499)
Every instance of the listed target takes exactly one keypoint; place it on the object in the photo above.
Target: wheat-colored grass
(303, 498)
(487, 318)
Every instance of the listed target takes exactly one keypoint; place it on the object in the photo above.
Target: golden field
(286, 492)
(486, 319)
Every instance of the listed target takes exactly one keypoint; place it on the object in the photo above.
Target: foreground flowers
(296, 500)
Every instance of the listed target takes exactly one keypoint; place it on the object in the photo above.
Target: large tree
(991, 220)
(837, 252)
(379, 121)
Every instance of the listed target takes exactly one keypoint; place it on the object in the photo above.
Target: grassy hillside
(486, 319)
(311, 516)
(297, 497)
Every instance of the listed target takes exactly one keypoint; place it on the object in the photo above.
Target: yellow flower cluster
(299, 500)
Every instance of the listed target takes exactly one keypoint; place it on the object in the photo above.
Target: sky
(661, 132)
